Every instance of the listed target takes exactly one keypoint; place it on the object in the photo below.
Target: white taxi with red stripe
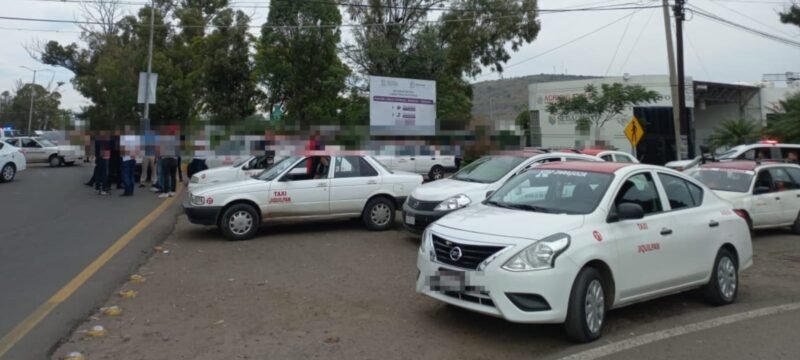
(316, 185)
(566, 242)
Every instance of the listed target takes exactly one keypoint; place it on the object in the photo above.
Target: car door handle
(666, 231)
(713, 223)
(412, 158)
(372, 182)
(322, 185)
(777, 198)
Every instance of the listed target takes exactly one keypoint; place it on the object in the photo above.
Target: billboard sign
(400, 106)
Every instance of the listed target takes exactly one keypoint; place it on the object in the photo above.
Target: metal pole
(30, 111)
(146, 119)
(673, 86)
(679, 15)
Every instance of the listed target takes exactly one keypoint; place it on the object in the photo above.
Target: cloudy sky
(585, 43)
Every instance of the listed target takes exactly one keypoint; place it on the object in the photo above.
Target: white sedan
(11, 161)
(768, 193)
(566, 242)
(242, 170)
(38, 150)
(319, 186)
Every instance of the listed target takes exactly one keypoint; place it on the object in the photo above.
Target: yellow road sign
(634, 131)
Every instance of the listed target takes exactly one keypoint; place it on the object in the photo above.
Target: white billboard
(400, 106)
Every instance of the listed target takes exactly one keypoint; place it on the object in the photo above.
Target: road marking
(645, 339)
(25, 326)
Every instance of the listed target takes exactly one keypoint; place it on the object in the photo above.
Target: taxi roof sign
(634, 131)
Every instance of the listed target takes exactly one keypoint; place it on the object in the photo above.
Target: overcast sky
(714, 52)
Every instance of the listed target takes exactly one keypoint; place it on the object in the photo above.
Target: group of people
(116, 159)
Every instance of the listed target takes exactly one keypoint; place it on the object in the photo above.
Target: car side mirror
(761, 190)
(626, 211)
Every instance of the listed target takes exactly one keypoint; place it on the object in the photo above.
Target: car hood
(216, 173)
(240, 186)
(442, 189)
(512, 223)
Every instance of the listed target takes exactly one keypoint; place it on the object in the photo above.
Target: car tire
(436, 173)
(586, 310)
(379, 214)
(724, 283)
(796, 225)
(240, 222)
(8, 172)
(54, 161)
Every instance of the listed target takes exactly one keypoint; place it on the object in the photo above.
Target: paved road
(333, 290)
(52, 227)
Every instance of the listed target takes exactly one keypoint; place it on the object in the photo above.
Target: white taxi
(11, 161)
(470, 185)
(768, 193)
(242, 170)
(309, 186)
(566, 242)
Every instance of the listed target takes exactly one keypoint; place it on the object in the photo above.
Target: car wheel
(796, 225)
(378, 214)
(724, 283)
(436, 173)
(240, 222)
(54, 161)
(587, 307)
(8, 173)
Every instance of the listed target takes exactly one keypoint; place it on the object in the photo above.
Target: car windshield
(242, 162)
(724, 179)
(488, 169)
(273, 171)
(553, 191)
(381, 165)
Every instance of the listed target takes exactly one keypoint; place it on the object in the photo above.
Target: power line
(619, 44)
(719, 3)
(695, 9)
(636, 42)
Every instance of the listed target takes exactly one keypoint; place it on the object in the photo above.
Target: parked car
(763, 150)
(423, 161)
(38, 150)
(767, 192)
(471, 185)
(611, 155)
(12, 160)
(567, 242)
(242, 170)
(303, 187)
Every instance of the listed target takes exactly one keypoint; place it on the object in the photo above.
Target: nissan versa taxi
(566, 242)
(303, 187)
(768, 193)
(471, 184)
(242, 170)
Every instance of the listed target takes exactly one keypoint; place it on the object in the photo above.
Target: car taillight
(741, 213)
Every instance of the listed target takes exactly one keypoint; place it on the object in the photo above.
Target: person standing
(148, 162)
(101, 183)
(126, 171)
(170, 163)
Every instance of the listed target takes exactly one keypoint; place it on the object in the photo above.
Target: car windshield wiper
(527, 207)
(467, 179)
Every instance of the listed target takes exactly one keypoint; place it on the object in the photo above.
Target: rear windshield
(723, 179)
(488, 169)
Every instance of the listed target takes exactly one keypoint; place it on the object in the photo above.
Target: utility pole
(673, 83)
(33, 95)
(146, 118)
(679, 17)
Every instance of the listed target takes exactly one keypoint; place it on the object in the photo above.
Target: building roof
(600, 166)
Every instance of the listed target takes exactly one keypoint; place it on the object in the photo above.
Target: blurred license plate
(448, 281)
(410, 220)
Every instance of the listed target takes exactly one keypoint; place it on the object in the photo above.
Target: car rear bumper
(201, 215)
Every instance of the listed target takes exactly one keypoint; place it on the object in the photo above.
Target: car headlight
(426, 245)
(194, 179)
(198, 200)
(455, 202)
(540, 255)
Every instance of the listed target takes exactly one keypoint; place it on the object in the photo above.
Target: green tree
(15, 108)
(299, 64)
(597, 106)
(785, 126)
(791, 15)
(734, 132)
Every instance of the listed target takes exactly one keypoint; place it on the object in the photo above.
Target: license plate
(410, 219)
(448, 281)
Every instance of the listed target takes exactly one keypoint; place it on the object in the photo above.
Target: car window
(352, 166)
(680, 193)
(790, 155)
(13, 142)
(623, 158)
(640, 189)
(1, 146)
(795, 174)
(756, 154)
(553, 191)
(29, 143)
(781, 180)
(276, 169)
(607, 158)
(723, 179)
(764, 180)
(488, 169)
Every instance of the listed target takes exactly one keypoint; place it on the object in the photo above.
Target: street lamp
(30, 111)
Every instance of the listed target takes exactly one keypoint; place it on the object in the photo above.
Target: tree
(791, 15)
(298, 61)
(734, 132)
(785, 126)
(596, 106)
(15, 108)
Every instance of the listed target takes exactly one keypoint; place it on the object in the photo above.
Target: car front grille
(422, 205)
(481, 297)
(471, 255)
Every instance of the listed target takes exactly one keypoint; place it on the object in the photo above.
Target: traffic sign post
(634, 132)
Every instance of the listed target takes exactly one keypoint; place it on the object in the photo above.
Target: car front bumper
(421, 218)
(202, 215)
(545, 293)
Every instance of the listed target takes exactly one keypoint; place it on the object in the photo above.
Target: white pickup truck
(425, 162)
